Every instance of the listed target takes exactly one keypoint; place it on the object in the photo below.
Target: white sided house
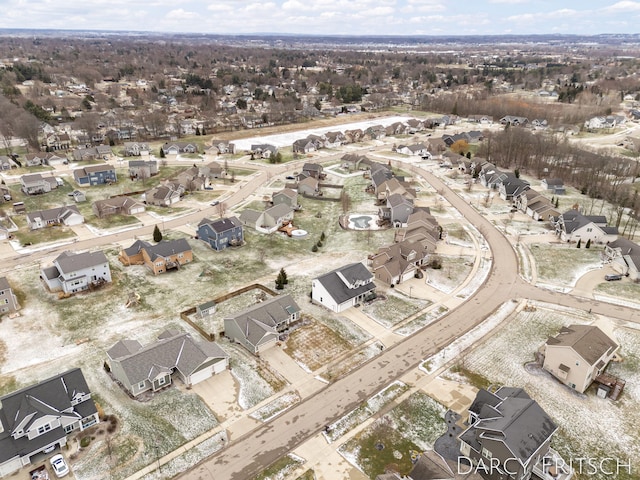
(140, 369)
(67, 215)
(39, 418)
(572, 226)
(74, 272)
(578, 354)
(344, 287)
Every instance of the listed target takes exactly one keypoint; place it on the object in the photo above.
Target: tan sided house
(165, 255)
(578, 354)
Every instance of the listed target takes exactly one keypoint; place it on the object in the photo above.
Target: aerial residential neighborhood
(319, 258)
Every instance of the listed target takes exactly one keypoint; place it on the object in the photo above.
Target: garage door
(201, 375)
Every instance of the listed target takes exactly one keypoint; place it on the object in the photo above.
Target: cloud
(512, 2)
(624, 7)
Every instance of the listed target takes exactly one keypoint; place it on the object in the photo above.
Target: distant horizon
(330, 18)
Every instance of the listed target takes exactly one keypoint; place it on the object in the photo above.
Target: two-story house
(257, 328)
(221, 233)
(35, 184)
(74, 272)
(509, 435)
(8, 300)
(399, 262)
(624, 257)
(397, 210)
(159, 258)
(578, 354)
(95, 175)
(40, 417)
(152, 367)
(573, 226)
(286, 196)
(343, 287)
(142, 169)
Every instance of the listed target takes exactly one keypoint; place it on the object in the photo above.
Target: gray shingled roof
(271, 312)
(166, 248)
(72, 262)
(221, 225)
(180, 351)
(336, 287)
(588, 341)
(50, 397)
(4, 283)
(513, 418)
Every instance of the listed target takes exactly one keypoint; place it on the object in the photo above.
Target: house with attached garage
(221, 233)
(95, 175)
(343, 287)
(268, 221)
(136, 149)
(398, 262)
(554, 185)
(418, 149)
(573, 226)
(624, 257)
(397, 210)
(8, 300)
(174, 148)
(509, 436)
(159, 258)
(68, 215)
(578, 354)
(40, 417)
(121, 205)
(151, 368)
(35, 184)
(511, 186)
(258, 327)
(164, 195)
(74, 272)
(263, 150)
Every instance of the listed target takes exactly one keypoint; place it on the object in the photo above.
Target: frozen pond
(287, 139)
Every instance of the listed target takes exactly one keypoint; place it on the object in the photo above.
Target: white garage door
(201, 375)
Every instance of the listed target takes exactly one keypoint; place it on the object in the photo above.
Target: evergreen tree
(322, 237)
(283, 276)
(157, 234)
(198, 131)
(556, 204)
(161, 153)
(579, 243)
(588, 245)
(314, 248)
(202, 131)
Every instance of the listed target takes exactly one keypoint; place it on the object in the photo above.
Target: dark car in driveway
(611, 277)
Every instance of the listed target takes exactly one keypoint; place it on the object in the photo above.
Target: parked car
(290, 177)
(60, 467)
(611, 277)
(214, 203)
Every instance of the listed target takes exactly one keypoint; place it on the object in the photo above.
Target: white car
(59, 466)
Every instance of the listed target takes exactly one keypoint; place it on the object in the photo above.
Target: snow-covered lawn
(421, 321)
(562, 264)
(281, 469)
(353, 361)
(315, 345)
(397, 437)
(583, 420)
(395, 308)
(453, 272)
(355, 417)
(276, 407)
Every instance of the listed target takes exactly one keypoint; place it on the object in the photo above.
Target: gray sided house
(343, 287)
(68, 215)
(41, 416)
(142, 169)
(8, 300)
(221, 233)
(286, 196)
(140, 369)
(257, 327)
(95, 175)
(74, 272)
(508, 432)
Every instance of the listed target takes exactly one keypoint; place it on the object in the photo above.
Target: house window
(162, 381)
(44, 428)
(141, 385)
(486, 453)
(180, 255)
(589, 229)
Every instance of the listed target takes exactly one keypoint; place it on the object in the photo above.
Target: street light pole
(410, 288)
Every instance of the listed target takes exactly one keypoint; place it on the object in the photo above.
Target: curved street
(272, 440)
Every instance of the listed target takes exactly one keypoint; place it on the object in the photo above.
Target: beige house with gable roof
(578, 354)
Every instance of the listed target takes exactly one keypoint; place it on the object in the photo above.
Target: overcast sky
(328, 17)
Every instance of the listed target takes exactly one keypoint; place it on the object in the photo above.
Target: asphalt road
(250, 454)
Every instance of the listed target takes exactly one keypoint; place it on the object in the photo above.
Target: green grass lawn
(43, 235)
